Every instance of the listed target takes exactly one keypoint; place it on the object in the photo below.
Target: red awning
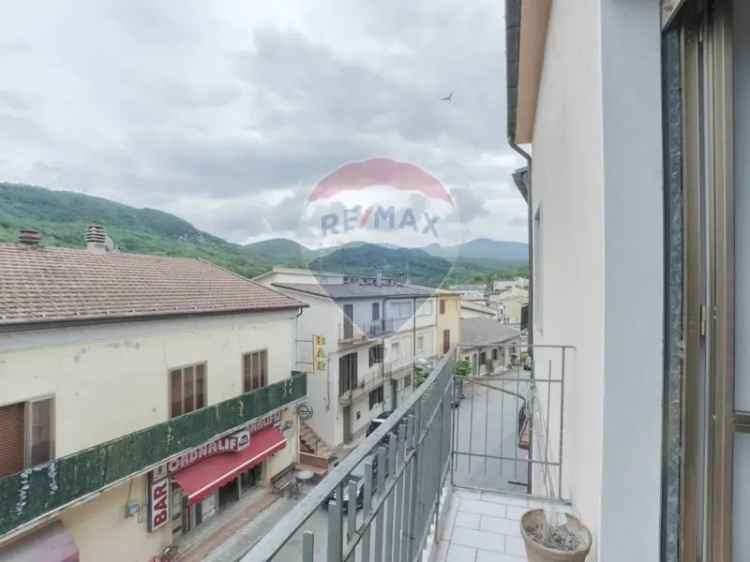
(53, 543)
(205, 477)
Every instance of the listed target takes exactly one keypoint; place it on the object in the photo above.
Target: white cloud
(216, 110)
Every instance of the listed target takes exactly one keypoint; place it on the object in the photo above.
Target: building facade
(631, 117)
(360, 340)
(141, 396)
(489, 346)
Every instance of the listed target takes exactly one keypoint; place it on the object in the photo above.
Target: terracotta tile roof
(40, 284)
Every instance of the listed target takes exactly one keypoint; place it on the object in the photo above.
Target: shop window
(254, 370)
(187, 389)
(376, 397)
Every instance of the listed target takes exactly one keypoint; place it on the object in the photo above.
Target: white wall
(567, 175)
(112, 379)
(633, 307)
(597, 177)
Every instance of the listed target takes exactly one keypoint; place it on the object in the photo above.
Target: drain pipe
(530, 320)
(530, 314)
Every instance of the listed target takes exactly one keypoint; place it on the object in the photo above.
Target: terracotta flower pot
(537, 552)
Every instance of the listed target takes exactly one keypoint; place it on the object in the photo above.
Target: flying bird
(448, 98)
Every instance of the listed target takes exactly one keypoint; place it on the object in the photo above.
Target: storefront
(190, 489)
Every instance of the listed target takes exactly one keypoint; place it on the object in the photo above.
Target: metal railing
(396, 474)
(509, 427)
(370, 329)
(372, 378)
(500, 432)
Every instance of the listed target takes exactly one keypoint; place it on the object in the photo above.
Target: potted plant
(548, 534)
(462, 370)
(568, 541)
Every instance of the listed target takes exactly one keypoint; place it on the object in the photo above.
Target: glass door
(716, 409)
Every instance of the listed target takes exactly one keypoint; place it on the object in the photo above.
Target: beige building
(448, 331)
(141, 395)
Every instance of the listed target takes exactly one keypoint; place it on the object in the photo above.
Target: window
(482, 358)
(424, 307)
(407, 380)
(376, 354)
(254, 370)
(494, 354)
(375, 311)
(187, 389)
(376, 396)
(39, 416)
(395, 350)
(442, 306)
(400, 310)
(26, 435)
(446, 341)
(420, 343)
(347, 372)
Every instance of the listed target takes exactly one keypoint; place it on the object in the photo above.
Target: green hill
(421, 267)
(62, 218)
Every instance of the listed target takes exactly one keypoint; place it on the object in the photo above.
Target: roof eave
(46, 323)
(526, 34)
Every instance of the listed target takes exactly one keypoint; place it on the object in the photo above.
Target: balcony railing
(44, 489)
(500, 432)
(371, 329)
(399, 503)
(373, 378)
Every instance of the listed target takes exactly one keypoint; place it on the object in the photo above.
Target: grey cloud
(176, 103)
(470, 204)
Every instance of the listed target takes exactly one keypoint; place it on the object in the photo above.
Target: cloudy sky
(227, 113)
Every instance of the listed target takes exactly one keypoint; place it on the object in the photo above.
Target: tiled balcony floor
(483, 527)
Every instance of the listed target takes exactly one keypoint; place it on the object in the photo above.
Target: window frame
(181, 369)
(372, 361)
(344, 388)
(28, 427)
(379, 396)
(264, 374)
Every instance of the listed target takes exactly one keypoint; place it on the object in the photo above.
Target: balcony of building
(370, 380)
(40, 492)
(446, 477)
(359, 331)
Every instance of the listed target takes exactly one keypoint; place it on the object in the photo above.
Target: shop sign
(265, 421)
(158, 502)
(319, 353)
(233, 443)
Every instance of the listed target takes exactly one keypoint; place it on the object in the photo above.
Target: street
(486, 424)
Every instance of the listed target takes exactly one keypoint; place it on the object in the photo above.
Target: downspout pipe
(530, 223)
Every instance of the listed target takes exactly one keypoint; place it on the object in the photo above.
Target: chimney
(96, 239)
(29, 237)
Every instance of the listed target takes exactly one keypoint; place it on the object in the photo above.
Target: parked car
(358, 475)
(377, 421)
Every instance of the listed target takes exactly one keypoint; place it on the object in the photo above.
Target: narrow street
(486, 424)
